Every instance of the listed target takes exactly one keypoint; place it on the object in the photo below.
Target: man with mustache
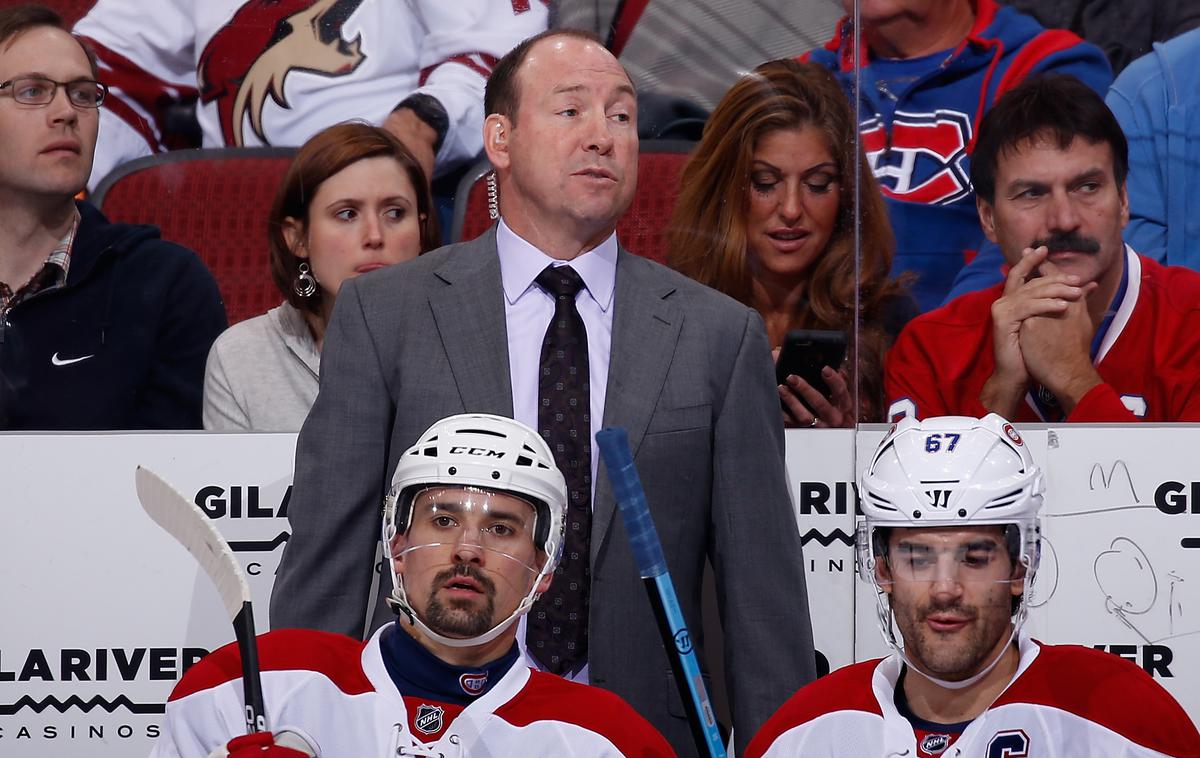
(952, 563)
(102, 326)
(1083, 327)
(927, 72)
(472, 531)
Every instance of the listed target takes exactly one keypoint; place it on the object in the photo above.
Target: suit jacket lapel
(469, 313)
(645, 331)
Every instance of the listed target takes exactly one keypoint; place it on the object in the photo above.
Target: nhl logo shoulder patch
(429, 719)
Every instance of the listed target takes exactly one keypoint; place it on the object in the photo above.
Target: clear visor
(469, 520)
(936, 555)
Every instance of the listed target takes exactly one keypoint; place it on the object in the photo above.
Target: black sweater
(122, 345)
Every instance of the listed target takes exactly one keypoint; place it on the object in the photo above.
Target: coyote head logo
(249, 58)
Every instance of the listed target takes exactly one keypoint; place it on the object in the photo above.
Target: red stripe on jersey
(1109, 691)
(1032, 53)
(336, 657)
(138, 86)
(550, 698)
(985, 13)
(121, 109)
(624, 23)
(524, 6)
(847, 689)
(480, 63)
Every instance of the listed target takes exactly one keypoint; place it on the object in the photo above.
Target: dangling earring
(493, 196)
(306, 285)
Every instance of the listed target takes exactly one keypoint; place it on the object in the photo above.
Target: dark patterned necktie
(557, 632)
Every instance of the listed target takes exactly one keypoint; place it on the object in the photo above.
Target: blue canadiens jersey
(919, 120)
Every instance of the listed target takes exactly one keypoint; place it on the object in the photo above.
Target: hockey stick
(184, 521)
(652, 565)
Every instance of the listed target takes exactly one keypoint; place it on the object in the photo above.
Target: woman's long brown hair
(707, 235)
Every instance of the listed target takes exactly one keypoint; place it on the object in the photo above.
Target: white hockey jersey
(336, 692)
(1066, 701)
(275, 72)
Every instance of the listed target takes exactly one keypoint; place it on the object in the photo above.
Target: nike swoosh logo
(68, 361)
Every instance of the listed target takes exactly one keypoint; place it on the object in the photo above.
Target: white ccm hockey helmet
(484, 453)
(950, 471)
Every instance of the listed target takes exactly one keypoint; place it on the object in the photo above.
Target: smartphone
(806, 351)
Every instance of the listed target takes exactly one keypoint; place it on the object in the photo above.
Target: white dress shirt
(528, 310)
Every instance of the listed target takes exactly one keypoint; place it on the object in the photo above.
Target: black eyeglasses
(38, 90)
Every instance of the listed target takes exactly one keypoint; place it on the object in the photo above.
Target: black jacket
(122, 345)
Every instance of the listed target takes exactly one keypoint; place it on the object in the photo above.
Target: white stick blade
(183, 520)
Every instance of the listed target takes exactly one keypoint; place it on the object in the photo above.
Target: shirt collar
(521, 262)
(51, 275)
(61, 255)
(419, 673)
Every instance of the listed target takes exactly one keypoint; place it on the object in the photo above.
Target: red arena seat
(214, 201)
(70, 10)
(642, 229)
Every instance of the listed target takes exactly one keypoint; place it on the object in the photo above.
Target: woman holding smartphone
(766, 215)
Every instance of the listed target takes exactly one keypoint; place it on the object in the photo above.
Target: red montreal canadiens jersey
(1066, 701)
(1147, 357)
(275, 72)
(336, 692)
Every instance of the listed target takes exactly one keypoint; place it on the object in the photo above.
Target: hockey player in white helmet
(950, 545)
(472, 529)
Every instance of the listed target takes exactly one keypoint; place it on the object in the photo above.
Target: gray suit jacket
(690, 378)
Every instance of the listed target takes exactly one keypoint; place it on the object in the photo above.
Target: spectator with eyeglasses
(102, 326)
(38, 90)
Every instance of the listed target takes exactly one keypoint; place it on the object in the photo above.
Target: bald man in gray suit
(686, 370)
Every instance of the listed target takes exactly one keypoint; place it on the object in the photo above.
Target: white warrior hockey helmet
(950, 471)
(480, 454)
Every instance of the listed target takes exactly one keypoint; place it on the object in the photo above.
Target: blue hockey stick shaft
(652, 566)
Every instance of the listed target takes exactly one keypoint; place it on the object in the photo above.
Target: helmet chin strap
(963, 684)
(398, 602)
(481, 639)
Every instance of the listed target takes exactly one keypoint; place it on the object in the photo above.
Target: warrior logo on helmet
(938, 498)
(250, 57)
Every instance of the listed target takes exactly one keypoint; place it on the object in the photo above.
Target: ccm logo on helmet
(485, 452)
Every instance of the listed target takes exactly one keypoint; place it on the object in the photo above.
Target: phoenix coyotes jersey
(275, 72)
(1066, 701)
